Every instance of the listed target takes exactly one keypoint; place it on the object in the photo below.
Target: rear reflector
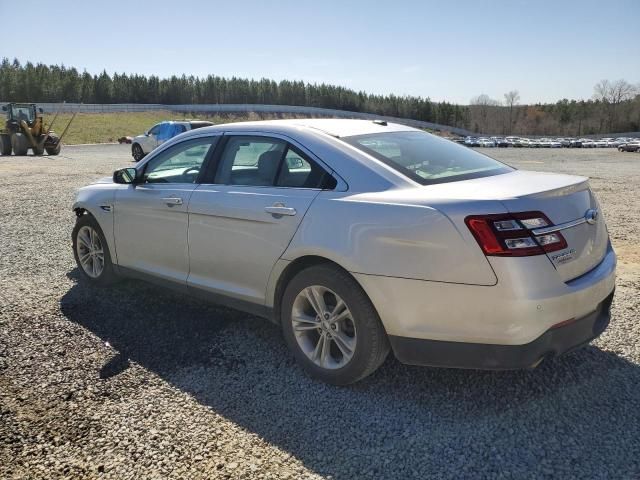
(510, 234)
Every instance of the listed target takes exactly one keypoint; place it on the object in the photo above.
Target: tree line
(53, 83)
(615, 106)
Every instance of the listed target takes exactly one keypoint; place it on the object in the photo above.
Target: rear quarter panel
(389, 239)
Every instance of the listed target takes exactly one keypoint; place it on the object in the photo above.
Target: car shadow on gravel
(577, 415)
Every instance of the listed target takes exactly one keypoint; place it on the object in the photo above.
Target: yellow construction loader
(24, 129)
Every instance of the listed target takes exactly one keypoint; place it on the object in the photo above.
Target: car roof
(330, 126)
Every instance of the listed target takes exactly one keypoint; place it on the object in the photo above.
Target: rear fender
(390, 239)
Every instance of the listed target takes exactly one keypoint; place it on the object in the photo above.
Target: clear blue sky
(447, 50)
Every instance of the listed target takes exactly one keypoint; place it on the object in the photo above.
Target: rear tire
(53, 149)
(19, 143)
(356, 345)
(91, 252)
(136, 152)
(5, 144)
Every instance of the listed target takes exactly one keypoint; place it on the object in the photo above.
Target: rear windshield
(426, 158)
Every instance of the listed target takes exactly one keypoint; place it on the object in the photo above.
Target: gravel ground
(138, 382)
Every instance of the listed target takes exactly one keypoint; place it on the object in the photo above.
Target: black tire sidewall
(5, 144)
(136, 149)
(108, 275)
(372, 345)
(19, 144)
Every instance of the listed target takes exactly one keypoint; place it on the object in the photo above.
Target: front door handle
(171, 201)
(279, 209)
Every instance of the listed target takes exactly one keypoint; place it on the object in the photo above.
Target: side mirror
(4, 108)
(41, 110)
(125, 176)
(295, 163)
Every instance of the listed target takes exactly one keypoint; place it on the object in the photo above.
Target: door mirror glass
(125, 175)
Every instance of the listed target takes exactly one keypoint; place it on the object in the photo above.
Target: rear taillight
(511, 234)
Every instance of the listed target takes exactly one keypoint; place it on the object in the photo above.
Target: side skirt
(252, 308)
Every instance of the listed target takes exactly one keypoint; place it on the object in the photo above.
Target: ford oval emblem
(591, 216)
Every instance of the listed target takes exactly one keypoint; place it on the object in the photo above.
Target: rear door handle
(171, 201)
(279, 209)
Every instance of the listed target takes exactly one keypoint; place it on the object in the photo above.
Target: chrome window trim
(341, 185)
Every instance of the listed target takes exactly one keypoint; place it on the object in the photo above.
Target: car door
(242, 218)
(150, 218)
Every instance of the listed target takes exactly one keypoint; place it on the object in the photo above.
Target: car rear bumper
(554, 342)
(529, 300)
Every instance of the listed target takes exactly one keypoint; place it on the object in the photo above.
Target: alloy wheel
(90, 251)
(137, 152)
(323, 327)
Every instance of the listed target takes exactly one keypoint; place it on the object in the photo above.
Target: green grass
(108, 127)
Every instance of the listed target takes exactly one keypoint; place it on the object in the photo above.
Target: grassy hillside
(108, 127)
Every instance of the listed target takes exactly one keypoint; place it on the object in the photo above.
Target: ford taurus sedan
(358, 238)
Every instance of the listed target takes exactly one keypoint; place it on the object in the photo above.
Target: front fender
(99, 203)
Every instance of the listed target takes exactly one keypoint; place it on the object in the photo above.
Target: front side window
(180, 163)
(425, 158)
(155, 129)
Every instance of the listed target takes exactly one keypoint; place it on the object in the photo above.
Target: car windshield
(427, 159)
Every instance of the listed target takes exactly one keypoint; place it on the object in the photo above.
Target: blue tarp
(167, 131)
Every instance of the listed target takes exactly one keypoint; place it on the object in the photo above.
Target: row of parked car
(621, 143)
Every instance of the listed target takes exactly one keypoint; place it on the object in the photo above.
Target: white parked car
(358, 238)
(160, 133)
(486, 142)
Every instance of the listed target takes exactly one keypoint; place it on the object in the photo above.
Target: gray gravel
(138, 382)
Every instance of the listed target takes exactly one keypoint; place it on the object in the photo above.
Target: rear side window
(251, 161)
(266, 162)
(299, 171)
(427, 159)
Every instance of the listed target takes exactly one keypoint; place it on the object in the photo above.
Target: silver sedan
(359, 238)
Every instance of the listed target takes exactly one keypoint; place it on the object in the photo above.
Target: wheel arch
(104, 220)
(290, 270)
(135, 144)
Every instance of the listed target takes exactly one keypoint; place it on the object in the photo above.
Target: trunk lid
(564, 199)
(574, 210)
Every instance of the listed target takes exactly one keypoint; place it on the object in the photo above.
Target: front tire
(91, 252)
(19, 143)
(5, 144)
(137, 152)
(331, 326)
